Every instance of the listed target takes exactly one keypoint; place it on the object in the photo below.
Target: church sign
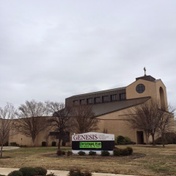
(92, 142)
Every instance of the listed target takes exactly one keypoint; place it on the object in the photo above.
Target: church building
(112, 106)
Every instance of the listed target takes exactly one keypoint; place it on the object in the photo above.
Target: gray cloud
(50, 50)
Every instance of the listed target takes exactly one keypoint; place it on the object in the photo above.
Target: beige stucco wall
(22, 140)
(117, 123)
(152, 89)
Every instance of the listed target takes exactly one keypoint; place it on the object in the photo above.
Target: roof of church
(97, 92)
(105, 108)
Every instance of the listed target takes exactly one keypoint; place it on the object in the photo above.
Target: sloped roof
(97, 92)
(105, 108)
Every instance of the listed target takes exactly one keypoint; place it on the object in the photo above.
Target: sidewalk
(6, 171)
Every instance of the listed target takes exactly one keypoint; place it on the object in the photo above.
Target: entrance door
(140, 137)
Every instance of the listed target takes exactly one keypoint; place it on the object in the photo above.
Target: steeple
(146, 77)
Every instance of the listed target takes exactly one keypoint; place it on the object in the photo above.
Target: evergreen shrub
(40, 171)
(15, 173)
(78, 172)
(121, 140)
(105, 153)
(69, 153)
(81, 153)
(28, 171)
(130, 150)
(123, 152)
(60, 152)
(92, 153)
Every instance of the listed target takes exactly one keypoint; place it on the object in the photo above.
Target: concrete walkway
(6, 171)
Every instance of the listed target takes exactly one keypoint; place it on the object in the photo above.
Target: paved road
(6, 171)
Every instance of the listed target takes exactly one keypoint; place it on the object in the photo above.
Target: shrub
(60, 152)
(15, 173)
(130, 150)
(28, 171)
(78, 172)
(170, 138)
(81, 153)
(117, 152)
(123, 152)
(105, 153)
(86, 173)
(128, 140)
(121, 140)
(69, 153)
(93, 153)
(40, 171)
(63, 152)
(75, 172)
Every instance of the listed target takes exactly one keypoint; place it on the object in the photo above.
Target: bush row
(39, 171)
(62, 152)
(116, 152)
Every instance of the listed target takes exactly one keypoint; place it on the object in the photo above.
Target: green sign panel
(91, 145)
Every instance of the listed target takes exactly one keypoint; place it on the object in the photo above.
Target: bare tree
(84, 119)
(31, 119)
(61, 120)
(148, 117)
(6, 115)
(166, 123)
(53, 107)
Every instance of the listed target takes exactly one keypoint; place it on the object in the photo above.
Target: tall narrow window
(162, 100)
(97, 100)
(122, 96)
(105, 98)
(82, 101)
(90, 101)
(114, 97)
(75, 102)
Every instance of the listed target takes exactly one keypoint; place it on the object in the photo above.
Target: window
(122, 96)
(97, 99)
(140, 88)
(90, 101)
(83, 102)
(114, 97)
(75, 102)
(105, 98)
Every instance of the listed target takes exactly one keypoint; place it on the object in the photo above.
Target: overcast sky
(53, 49)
